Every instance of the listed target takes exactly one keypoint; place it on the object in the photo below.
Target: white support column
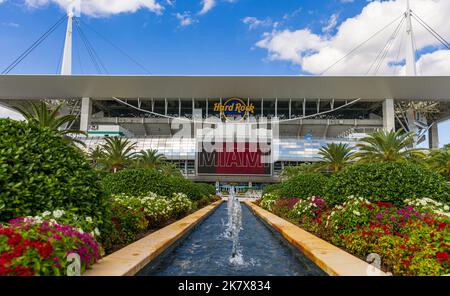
(276, 107)
(66, 67)
(86, 113)
(433, 135)
(411, 69)
(290, 108)
(388, 115)
(165, 106)
(304, 107)
(262, 107)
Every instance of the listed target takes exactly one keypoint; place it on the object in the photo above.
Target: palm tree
(96, 155)
(42, 115)
(170, 169)
(335, 157)
(291, 171)
(149, 159)
(439, 160)
(388, 146)
(117, 153)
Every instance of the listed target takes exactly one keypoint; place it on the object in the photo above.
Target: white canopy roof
(435, 88)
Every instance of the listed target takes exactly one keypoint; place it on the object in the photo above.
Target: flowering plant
(32, 247)
(311, 207)
(181, 204)
(430, 206)
(67, 217)
(128, 223)
(348, 217)
(283, 206)
(157, 210)
(411, 240)
(420, 247)
(268, 200)
(310, 213)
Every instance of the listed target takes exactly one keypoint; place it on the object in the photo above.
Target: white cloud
(2, 1)
(254, 22)
(171, 2)
(207, 6)
(103, 7)
(331, 23)
(315, 52)
(11, 24)
(436, 63)
(185, 19)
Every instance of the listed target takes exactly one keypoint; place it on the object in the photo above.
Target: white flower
(89, 220)
(46, 213)
(446, 208)
(58, 213)
(356, 213)
(80, 230)
(96, 231)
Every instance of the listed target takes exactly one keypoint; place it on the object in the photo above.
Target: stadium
(256, 125)
(299, 114)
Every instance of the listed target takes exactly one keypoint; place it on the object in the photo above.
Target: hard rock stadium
(299, 114)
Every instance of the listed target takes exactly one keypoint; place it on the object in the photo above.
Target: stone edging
(331, 259)
(132, 258)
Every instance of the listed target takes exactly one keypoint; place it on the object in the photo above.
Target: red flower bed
(410, 241)
(28, 248)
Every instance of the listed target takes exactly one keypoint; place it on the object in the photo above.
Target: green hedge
(206, 189)
(39, 171)
(391, 182)
(139, 182)
(303, 186)
(272, 188)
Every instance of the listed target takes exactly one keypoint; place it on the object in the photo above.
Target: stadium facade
(298, 114)
(242, 129)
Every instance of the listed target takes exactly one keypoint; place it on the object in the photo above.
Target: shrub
(40, 171)
(181, 205)
(205, 189)
(303, 186)
(267, 201)
(157, 209)
(140, 182)
(84, 224)
(272, 188)
(311, 208)
(128, 224)
(310, 214)
(348, 217)
(31, 248)
(427, 205)
(410, 240)
(409, 243)
(391, 182)
(283, 206)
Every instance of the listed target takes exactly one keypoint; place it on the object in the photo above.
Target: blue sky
(218, 42)
(207, 36)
